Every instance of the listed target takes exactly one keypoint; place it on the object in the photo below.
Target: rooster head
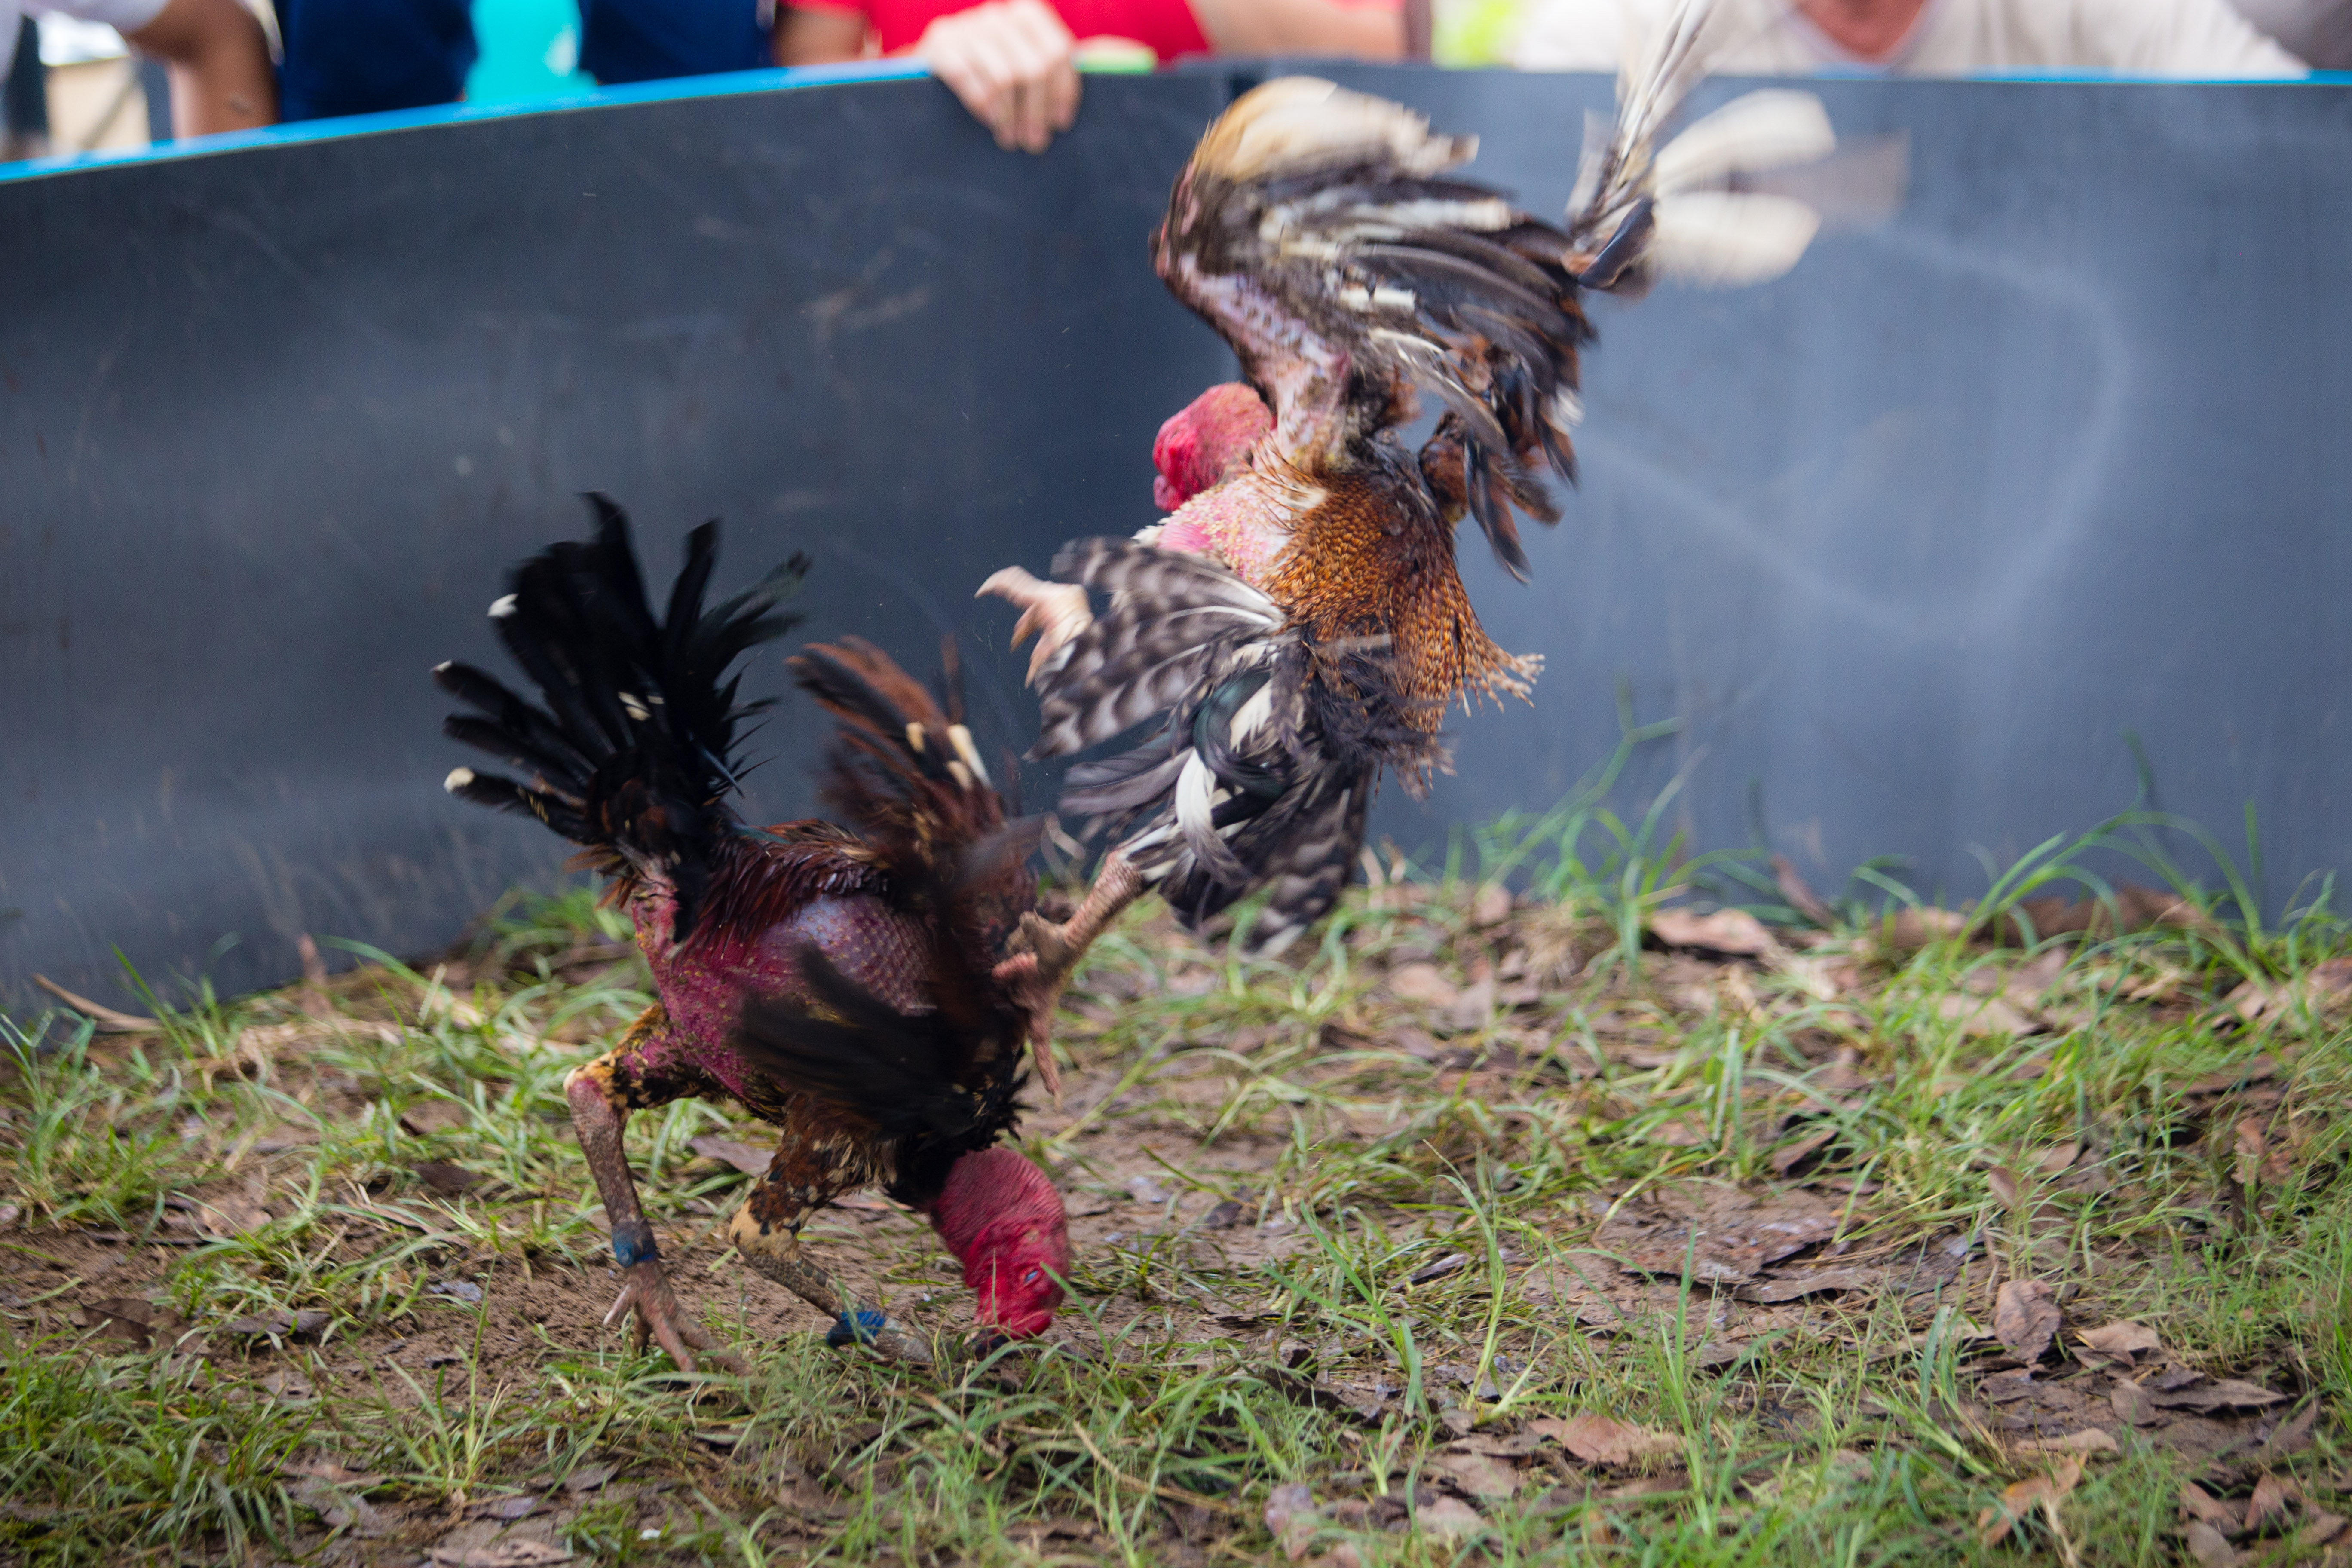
(1206, 443)
(1004, 1222)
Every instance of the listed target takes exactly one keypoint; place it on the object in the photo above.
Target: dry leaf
(1422, 982)
(2045, 1492)
(1816, 1282)
(2251, 1146)
(1979, 1016)
(2269, 1504)
(2058, 1156)
(2320, 1528)
(1477, 1474)
(2225, 1393)
(1599, 1440)
(2133, 1404)
(1292, 1516)
(2090, 1440)
(447, 1179)
(1449, 1517)
(499, 1554)
(2253, 1069)
(588, 1477)
(2025, 1318)
(2208, 1546)
(1492, 906)
(430, 1116)
(2122, 1341)
(1452, 1263)
(1789, 1156)
(2004, 1184)
(1733, 933)
(2196, 1502)
(748, 1158)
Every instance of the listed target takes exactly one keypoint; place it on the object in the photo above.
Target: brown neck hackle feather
(1350, 571)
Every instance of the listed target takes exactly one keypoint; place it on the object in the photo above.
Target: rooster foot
(657, 1316)
(1055, 612)
(852, 1324)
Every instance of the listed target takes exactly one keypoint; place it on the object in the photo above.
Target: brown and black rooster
(834, 980)
(1296, 627)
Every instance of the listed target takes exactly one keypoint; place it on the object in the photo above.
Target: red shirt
(1166, 27)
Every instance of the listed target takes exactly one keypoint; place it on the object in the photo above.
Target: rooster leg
(1035, 978)
(1056, 612)
(602, 1095)
(767, 1232)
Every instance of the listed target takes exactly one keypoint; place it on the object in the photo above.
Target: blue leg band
(855, 1328)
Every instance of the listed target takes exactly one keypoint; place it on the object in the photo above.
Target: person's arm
(1012, 62)
(219, 63)
(2195, 39)
(1301, 28)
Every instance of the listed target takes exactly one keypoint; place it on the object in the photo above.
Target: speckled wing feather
(1175, 615)
(1319, 232)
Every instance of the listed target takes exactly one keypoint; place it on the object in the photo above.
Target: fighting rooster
(835, 981)
(1297, 624)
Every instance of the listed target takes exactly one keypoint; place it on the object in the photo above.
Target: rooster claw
(1053, 613)
(656, 1316)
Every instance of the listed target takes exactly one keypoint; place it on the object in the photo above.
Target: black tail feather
(634, 751)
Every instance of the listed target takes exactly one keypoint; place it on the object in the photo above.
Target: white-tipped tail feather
(1725, 239)
(458, 779)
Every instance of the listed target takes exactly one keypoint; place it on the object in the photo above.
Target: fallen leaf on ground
(506, 1508)
(588, 1477)
(9, 1215)
(457, 1291)
(2253, 1069)
(1816, 1282)
(1291, 1515)
(447, 1179)
(2045, 1492)
(2196, 1502)
(1449, 1517)
(1492, 906)
(1909, 929)
(1789, 1156)
(2250, 1148)
(1983, 1015)
(1733, 933)
(428, 1117)
(2269, 1504)
(286, 1386)
(305, 1323)
(2122, 1341)
(499, 1554)
(2025, 1318)
(748, 1158)
(2224, 1393)
(1477, 1474)
(1452, 1263)
(2208, 1546)
(2058, 1156)
(2090, 1440)
(1598, 1439)
(1422, 982)
(2004, 1184)
(1736, 1233)
(2294, 1435)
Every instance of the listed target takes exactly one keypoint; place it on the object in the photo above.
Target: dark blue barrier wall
(1910, 541)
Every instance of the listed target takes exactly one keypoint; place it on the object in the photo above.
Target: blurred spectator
(363, 57)
(2200, 38)
(644, 40)
(1014, 62)
(2319, 31)
(216, 53)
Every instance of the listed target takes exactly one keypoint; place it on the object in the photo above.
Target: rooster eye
(1031, 1277)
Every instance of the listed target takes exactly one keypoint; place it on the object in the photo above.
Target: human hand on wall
(1012, 64)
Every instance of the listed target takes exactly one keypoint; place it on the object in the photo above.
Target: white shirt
(2197, 38)
(2320, 31)
(122, 15)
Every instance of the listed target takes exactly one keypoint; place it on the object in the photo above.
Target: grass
(1390, 1223)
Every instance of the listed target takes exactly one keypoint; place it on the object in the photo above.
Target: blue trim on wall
(728, 84)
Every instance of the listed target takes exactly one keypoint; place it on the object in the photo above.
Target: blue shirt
(644, 40)
(361, 56)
